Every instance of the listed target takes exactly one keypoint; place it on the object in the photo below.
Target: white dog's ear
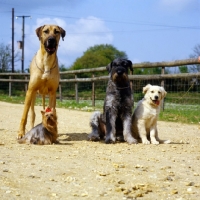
(145, 89)
(164, 93)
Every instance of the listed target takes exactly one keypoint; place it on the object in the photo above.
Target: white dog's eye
(152, 91)
(159, 92)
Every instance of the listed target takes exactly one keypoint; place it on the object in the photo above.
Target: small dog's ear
(109, 67)
(38, 31)
(130, 65)
(62, 32)
(164, 93)
(145, 89)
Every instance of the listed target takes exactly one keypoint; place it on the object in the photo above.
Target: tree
(6, 57)
(97, 56)
(196, 53)
(183, 69)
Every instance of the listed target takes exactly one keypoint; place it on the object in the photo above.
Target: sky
(147, 31)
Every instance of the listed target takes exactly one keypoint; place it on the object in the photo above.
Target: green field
(173, 112)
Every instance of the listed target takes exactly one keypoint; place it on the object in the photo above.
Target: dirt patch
(79, 169)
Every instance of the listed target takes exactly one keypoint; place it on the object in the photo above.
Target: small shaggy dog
(115, 121)
(144, 119)
(45, 132)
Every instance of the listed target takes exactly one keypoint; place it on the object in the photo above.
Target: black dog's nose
(120, 71)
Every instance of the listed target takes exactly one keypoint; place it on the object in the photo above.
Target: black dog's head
(118, 70)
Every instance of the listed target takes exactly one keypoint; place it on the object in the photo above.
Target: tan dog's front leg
(32, 110)
(52, 99)
(23, 122)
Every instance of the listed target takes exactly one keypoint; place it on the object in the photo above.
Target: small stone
(190, 184)
(54, 194)
(5, 170)
(174, 192)
(121, 182)
(2, 162)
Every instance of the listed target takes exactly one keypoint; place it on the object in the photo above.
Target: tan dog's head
(154, 94)
(49, 35)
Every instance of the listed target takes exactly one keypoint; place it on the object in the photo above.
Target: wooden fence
(94, 79)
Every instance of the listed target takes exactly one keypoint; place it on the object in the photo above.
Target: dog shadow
(64, 138)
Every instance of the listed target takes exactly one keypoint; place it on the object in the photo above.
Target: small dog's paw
(154, 142)
(145, 142)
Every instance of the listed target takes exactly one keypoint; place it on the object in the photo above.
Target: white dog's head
(154, 94)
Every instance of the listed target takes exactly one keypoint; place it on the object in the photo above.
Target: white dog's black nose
(156, 97)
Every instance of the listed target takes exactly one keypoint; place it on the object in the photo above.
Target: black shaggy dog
(115, 121)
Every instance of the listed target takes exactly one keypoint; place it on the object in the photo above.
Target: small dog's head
(154, 94)
(49, 35)
(49, 117)
(118, 70)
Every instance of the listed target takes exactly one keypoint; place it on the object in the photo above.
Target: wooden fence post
(10, 86)
(26, 85)
(76, 90)
(131, 85)
(163, 85)
(60, 92)
(93, 92)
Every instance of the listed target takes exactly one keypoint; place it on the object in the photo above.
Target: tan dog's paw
(20, 134)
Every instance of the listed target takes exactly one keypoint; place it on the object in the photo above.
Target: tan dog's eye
(56, 32)
(46, 31)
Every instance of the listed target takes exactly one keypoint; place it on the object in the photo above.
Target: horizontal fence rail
(24, 77)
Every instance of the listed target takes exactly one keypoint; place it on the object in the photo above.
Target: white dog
(144, 119)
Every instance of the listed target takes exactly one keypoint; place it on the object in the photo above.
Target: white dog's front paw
(167, 141)
(154, 142)
(145, 141)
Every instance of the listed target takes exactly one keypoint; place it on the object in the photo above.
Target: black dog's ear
(109, 67)
(130, 64)
(62, 32)
(39, 31)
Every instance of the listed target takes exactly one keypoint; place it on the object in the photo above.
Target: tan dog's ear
(62, 32)
(38, 31)
(164, 93)
(145, 89)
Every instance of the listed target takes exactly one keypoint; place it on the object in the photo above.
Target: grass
(173, 112)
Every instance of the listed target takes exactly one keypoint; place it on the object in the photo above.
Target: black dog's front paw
(110, 140)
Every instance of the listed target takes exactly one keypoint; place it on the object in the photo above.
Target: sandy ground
(79, 169)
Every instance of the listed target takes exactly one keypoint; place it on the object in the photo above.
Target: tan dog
(144, 119)
(44, 72)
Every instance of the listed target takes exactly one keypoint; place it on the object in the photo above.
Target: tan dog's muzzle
(50, 44)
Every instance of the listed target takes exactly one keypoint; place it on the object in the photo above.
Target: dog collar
(49, 71)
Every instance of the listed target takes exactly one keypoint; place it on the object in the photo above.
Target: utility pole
(13, 50)
(23, 20)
